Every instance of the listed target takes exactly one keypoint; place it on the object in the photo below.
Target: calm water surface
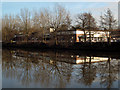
(58, 69)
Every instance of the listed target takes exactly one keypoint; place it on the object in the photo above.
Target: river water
(59, 69)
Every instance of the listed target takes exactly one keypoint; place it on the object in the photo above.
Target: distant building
(115, 35)
(52, 29)
(96, 35)
(78, 35)
(18, 38)
(21, 38)
(66, 36)
(69, 37)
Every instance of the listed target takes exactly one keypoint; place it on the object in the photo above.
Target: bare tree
(102, 24)
(8, 28)
(86, 21)
(81, 20)
(45, 21)
(108, 22)
(67, 23)
(61, 19)
(39, 22)
(91, 24)
(36, 25)
(26, 21)
(0, 35)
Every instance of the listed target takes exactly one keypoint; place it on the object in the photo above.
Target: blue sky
(74, 7)
(14, 7)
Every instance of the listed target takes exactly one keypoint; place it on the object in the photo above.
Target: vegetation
(86, 21)
(108, 21)
(39, 22)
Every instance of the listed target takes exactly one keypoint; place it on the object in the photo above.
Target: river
(58, 69)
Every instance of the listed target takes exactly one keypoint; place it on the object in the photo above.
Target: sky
(96, 8)
(60, 0)
(14, 7)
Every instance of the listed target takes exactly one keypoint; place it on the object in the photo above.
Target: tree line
(39, 22)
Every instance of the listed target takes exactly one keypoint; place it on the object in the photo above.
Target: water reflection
(0, 68)
(58, 69)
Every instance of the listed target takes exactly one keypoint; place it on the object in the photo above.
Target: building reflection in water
(58, 69)
(80, 60)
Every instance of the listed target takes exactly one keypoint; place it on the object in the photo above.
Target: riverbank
(99, 46)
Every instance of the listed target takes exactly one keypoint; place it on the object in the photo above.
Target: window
(79, 32)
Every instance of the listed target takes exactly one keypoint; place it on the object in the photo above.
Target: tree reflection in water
(108, 72)
(88, 73)
(56, 69)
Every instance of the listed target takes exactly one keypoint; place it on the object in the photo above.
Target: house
(23, 38)
(93, 35)
(18, 38)
(115, 34)
(78, 35)
(66, 37)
